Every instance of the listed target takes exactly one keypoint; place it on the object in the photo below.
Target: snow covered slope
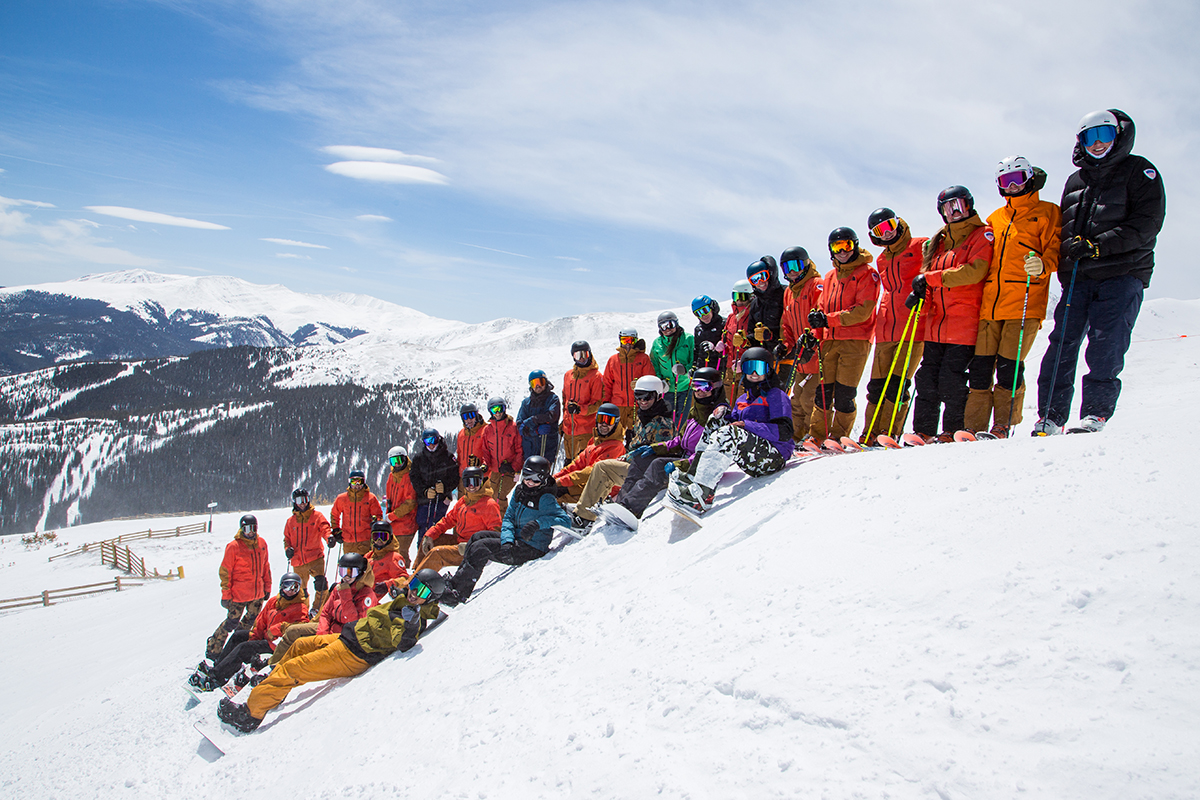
(996, 620)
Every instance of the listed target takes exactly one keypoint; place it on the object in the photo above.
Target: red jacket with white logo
(956, 262)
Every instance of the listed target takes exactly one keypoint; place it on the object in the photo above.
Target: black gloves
(817, 319)
(394, 592)
(529, 529)
(919, 285)
(290, 553)
(572, 407)
(506, 468)
(335, 538)
(1079, 247)
(380, 589)
(808, 345)
(506, 551)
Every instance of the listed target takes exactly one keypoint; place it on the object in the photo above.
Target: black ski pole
(1058, 356)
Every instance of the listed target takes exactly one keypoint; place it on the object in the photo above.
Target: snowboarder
(352, 514)
(401, 501)
(1112, 210)
(349, 600)
(476, 510)
(608, 441)
(389, 627)
(245, 583)
(708, 333)
(434, 477)
(844, 321)
(1015, 294)
(954, 263)
(501, 451)
(538, 418)
(582, 393)
(624, 367)
(888, 388)
(304, 537)
(801, 296)
(469, 447)
(672, 354)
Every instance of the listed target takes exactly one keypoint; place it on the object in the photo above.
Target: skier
(1015, 293)
(352, 514)
(756, 434)
(538, 418)
(766, 306)
(245, 583)
(501, 451)
(401, 501)
(954, 263)
(582, 393)
(672, 354)
(802, 294)
(898, 264)
(608, 441)
(287, 608)
(651, 465)
(470, 438)
(384, 558)
(434, 477)
(474, 511)
(708, 333)
(525, 532)
(304, 537)
(653, 425)
(1112, 210)
(389, 627)
(843, 320)
(349, 600)
(734, 338)
(624, 367)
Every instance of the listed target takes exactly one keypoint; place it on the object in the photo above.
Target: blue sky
(548, 158)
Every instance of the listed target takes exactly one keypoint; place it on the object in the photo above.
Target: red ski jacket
(848, 298)
(402, 502)
(501, 443)
(245, 570)
(353, 512)
(956, 262)
(898, 264)
(585, 387)
(306, 531)
(277, 613)
(347, 604)
(468, 516)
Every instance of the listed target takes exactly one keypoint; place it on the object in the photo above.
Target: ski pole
(821, 376)
(1020, 343)
(1061, 339)
(883, 393)
(907, 359)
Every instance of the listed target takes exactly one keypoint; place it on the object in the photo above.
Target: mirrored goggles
(398, 461)
(582, 356)
(954, 204)
(470, 415)
(472, 481)
(702, 386)
(421, 590)
(606, 419)
(841, 246)
(537, 383)
(289, 588)
(1102, 133)
(643, 395)
(628, 341)
(669, 325)
(792, 265)
(1012, 180)
(496, 411)
(380, 536)
(300, 499)
(252, 528)
(357, 481)
(742, 297)
(702, 310)
(754, 367)
(348, 573)
(886, 228)
(762, 276)
(430, 441)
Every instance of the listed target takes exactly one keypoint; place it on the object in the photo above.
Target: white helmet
(743, 286)
(1013, 164)
(1097, 119)
(397, 451)
(398, 457)
(648, 383)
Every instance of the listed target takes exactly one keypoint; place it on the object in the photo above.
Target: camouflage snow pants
(239, 616)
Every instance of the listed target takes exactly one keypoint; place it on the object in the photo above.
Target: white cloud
(293, 255)
(9, 202)
(580, 269)
(154, 217)
(373, 218)
(294, 243)
(354, 153)
(568, 258)
(385, 173)
(494, 250)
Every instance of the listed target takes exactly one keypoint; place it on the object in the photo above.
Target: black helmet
(879, 215)
(608, 409)
(430, 578)
(536, 468)
(248, 526)
(297, 494)
(797, 254)
(381, 533)
(354, 561)
(766, 262)
(758, 354)
(580, 347)
(707, 374)
(357, 473)
(430, 438)
(949, 193)
(474, 477)
(467, 410)
(289, 584)
(841, 235)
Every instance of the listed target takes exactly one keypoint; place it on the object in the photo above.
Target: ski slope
(992, 620)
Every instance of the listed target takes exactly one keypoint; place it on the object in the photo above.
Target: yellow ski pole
(891, 369)
(907, 358)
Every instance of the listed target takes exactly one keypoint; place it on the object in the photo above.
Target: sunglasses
(754, 367)
(791, 265)
(421, 590)
(1012, 180)
(1103, 133)
(606, 419)
(702, 386)
(886, 228)
(496, 411)
(841, 246)
(643, 395)
(761, 276)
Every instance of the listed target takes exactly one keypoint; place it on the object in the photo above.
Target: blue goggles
(755, 367)
(791, 265)
(1101, 133)
(421, 590)
(430, 441)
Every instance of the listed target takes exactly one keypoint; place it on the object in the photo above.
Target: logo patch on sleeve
(1151, 174)
(991, 237)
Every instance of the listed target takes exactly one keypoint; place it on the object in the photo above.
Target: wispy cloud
(154, 217)
(373, 218)
(494, 250)
(63, 241)
(355, 153)
(383, 172)
(9, 202)
(293, 255)
(294, 243)
(568, 258)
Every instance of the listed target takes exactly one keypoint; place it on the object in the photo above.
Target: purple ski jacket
(764, 414)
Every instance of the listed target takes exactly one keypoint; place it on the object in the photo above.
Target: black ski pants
(942, 381)
(647, 477)
(483, 547)
(238, 650)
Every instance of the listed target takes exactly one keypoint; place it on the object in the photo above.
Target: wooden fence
(125, 560)
(48, 597)
(181, 530)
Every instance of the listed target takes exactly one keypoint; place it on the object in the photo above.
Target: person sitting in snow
(607, 442)
(476, 510)
(283, 610)
(384, 629)
(351, 597)
(245, 583)
(756, 435)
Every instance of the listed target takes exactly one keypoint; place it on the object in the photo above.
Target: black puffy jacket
(430, 467)
(767, 306)
(706, 338)
(1119, 203)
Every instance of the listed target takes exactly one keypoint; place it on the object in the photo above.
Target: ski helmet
(538, 375)
(669, 320)
(755, 356)
(952, 192)
(289, 584)
(537, 469)
(468, 410)
(709, 375)
(381, 533)
(705, 304)
(794, 260)
(742, 291)
(1098, 126)
(248, 526)
(765, 264)
(647, 385)
(359, 474)
(626, 333)
(474, 477)
(352, 566)
(497, 406)
(610, 413)
(431, 438)
(580, 347)
(427, 584)
(297, 495)
(843, 234)
(398, 457)
(882, 222)
(1012, 173)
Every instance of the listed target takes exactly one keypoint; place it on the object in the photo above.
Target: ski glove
(817, 319)
(559, 491)
(719, 412)
(643, 451)
(395, 591)
(808, 345)
(529, 529)
(430, 493)
(410, 615)
(668, 467)
(506, 549)
(762, 333)
(290, 553)
(441, 487)
(919, 285)
(1033, 265)
(335, 538)
(506, 468)
(738, 339)
(572, 407)
(1079, 248)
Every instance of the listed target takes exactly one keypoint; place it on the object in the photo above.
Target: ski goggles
(421, 590)
(289, 588)
(628, 341)
(886, 228)
(954, 204)
(470, 415)
(300, 499)
(606, 419)
(380, 537)
(531, 475)
(496, 410)
(472, 481)
(762, 276)
(430, 441)
(703, 386)
(702, 310)
(249, 528)
(792, 265)
(357, 481)
(398, 461)
(1012, 180)
(582, 356)
(841, 246)
(742, 297)
(754, 367)
(537, 383)
(669, 325)
(1101, 133)
(348, 573)
(641, 395)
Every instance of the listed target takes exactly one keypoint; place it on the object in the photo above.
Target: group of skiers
(955, 313)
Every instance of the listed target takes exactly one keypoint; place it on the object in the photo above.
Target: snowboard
(685, 511)
(566, 531)
(216, 734)
(618, 515)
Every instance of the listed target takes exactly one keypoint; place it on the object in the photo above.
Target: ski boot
(237, 716)
(241, 679)
(204, 667)
(1046, 427)
(257, 663)
(201, 682)
(1090, 424)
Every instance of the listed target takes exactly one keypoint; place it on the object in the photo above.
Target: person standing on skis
(622, 371)
(735, 338)
(401, 502)
(801, 296)
(898, 342)
(434, 478)
(469, 447)
(304, 537)
(672, 354)
(352, 514)
(1015, 294)
(501, 451)
(538, 418)
(707, 336)
(1112, 210)
(245, 583)
(582, 393)
(766, 306)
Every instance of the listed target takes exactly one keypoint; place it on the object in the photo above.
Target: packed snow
(993, 620)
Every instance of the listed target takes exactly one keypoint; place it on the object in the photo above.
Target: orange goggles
(628, 341)
(841, 246)
(886, 228)
(606, 419)
(537, 383)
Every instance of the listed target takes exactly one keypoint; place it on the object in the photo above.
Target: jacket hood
(1121, 148)
(578, 372)
(627, 356)
(238, 537)
(305, 515)
(862, 258)
(282, 602)
(616, 434)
